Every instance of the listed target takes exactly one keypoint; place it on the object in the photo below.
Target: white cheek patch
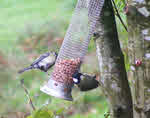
(75, 80)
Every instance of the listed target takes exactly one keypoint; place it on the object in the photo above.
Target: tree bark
(138, 16)
(113, 80)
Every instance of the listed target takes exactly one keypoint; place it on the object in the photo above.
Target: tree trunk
(138, 18)
(113, 80)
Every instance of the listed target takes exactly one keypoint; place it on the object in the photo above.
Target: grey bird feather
(43, 63)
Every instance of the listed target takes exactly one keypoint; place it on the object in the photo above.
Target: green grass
(15, 15)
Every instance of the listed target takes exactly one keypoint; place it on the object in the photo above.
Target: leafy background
(27, 29)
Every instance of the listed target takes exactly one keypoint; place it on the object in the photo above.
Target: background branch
(27, 93)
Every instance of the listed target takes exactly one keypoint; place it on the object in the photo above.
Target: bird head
(76, 77)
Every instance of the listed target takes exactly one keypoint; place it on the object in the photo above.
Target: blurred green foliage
(42, 113)
(28, 28)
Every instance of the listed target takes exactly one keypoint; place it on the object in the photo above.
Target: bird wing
(88, 82)
(40, 58)
(86, 85)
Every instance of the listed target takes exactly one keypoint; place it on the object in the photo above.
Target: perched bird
(84, 81)
(44, 62)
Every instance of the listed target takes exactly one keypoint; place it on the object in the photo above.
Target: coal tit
(43, 63)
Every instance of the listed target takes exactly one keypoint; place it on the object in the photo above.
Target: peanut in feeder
(74, 48)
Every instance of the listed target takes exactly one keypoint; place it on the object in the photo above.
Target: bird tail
(25, 69)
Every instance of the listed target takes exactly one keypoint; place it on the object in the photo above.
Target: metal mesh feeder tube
(73, 49)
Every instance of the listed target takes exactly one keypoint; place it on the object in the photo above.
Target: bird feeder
(73, 49)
